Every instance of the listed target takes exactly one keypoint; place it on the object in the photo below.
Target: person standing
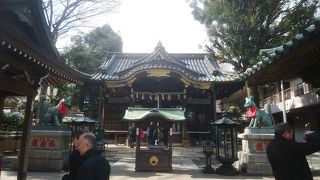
(156, 134)
(94, 165)
(132, 135)
(165, 135)
(141, 134)
(73, 162)
(288, 157)
(150, 130)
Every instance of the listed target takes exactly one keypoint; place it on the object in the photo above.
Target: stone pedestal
(253, 158)
(48, 149)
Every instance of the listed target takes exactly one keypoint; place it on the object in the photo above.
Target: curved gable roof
(196, 67)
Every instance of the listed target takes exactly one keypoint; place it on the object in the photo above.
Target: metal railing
(292, 99)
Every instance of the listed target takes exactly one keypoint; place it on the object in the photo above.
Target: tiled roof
(268, 56)
(25, 33)
(197, 67)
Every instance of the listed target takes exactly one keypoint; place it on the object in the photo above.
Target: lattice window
(307, 88)
(298, 89)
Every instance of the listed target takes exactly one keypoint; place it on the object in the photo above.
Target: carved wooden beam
(17, 86)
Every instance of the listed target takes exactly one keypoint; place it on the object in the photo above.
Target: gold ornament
(153, 160)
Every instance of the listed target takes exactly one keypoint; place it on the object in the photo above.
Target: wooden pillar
(25, 140)
(184, 134)
(249, 89)
(103, 105)
(102, 120)
(184, 125)
(100, 115)
(260, 97)
(278, 92)
(2, 98)
(252, 91)
(106, 110)
(214, 109)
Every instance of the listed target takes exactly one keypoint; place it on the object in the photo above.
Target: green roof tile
(267, 56)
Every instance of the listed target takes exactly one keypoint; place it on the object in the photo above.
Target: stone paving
(122, 162)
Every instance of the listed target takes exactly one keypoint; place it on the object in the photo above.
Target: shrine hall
(190, 82)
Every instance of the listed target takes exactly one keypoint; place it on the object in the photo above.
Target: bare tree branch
(66, 15)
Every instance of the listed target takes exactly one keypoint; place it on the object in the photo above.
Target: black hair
(282, 128)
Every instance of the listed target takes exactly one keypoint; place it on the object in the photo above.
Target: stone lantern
(226, 146)
(208, 151)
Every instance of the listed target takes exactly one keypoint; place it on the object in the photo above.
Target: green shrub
(13, 121)
(236, 112)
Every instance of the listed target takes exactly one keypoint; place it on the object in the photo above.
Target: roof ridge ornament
(159, 53)
(159, 47)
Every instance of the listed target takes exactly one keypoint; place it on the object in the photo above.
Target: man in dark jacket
(287, 157)
(75, 158)
(132, 135)
(73, 162)
(94, 165)
(165, 135)
(150, 130)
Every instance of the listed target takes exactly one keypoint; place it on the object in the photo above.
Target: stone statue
(54, 115)
(259, 118)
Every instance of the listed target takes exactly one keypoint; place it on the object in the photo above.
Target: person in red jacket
(288, 157)
(141, 134)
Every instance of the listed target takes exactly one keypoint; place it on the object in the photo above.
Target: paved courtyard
(187, 164)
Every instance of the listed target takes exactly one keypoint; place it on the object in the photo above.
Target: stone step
(125, 151)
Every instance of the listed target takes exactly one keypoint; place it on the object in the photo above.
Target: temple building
(191, 82)
(287, 77)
